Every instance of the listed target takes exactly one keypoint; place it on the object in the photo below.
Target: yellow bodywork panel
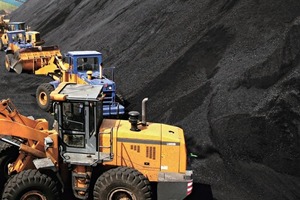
(156, 147)
(42, 53)
(36, 58)
(173, 146)
(50, 68)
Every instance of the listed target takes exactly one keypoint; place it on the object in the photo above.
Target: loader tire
(8, 61)
(122, 183)
(31, 184)
(8, 154)
(43, 96)
(1, 45)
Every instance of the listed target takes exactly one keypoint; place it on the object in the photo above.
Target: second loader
(81, 67)
(22, 56)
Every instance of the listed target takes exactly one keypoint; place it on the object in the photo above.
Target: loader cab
(15, 26)
(18, 38)
(79, 117)
(83, 61)
(86, 66)
(34, 38)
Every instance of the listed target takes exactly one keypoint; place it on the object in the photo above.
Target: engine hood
(152, 133)
(95, 80)
(155, 146)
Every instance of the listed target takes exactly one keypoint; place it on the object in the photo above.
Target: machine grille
(150, 152)
(135, 148)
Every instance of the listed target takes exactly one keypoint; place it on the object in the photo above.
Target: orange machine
(98, 158)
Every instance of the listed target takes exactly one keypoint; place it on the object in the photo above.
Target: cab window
(73, 116)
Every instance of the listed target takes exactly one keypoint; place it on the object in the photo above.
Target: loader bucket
(12, 64)
(16, 66)
(32, 59)
(8, 61)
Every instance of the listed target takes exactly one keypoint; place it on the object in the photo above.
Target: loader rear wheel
(122, 183)
(8, 154)
(8, 60)
(43, 96)
(31, 185)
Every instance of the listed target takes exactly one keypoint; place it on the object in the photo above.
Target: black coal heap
(226, 71)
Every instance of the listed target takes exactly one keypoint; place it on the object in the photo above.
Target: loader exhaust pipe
(101, 71)
(134, 117)
(144, 111)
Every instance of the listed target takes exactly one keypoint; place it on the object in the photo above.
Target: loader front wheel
(43, 96)
(31, 184)
(122, 183)
(8, 154)
(8, 61)
(1, 45)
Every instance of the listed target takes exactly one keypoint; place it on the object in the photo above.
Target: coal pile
(226, 71)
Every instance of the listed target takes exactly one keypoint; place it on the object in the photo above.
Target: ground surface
(226, 71)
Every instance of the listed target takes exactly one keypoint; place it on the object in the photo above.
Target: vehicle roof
(17, 31)
(30, 32)
(83, 53)
(81, 91)
(16, 23)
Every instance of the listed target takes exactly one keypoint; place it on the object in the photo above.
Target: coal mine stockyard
(150, 99)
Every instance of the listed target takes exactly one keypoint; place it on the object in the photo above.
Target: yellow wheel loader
(22, 56)
(32, 37)
(95, 158)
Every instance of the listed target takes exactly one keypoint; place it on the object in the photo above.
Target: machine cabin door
(79, 131)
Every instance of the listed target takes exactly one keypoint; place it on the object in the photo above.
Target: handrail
(110, 147)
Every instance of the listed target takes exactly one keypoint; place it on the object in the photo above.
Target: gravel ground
(226, 71)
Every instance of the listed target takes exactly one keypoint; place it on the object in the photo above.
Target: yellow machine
(32, 37)
(3, 29)
(97, 158)
(21, 55)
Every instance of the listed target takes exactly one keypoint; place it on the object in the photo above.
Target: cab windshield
(17, 37)
(87, 63)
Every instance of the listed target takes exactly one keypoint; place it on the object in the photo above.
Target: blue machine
(18, 40)
(85, 67)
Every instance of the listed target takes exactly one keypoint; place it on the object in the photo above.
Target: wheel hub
(33, 195)
(43, 98)
(121, 194)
